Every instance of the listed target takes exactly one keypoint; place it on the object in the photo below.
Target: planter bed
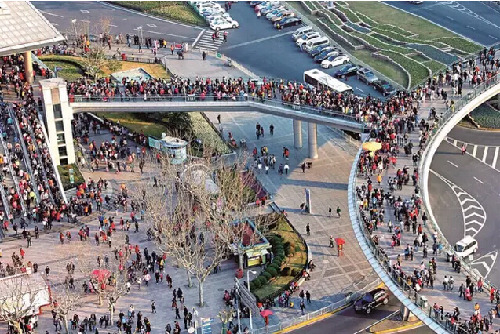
(418, 72)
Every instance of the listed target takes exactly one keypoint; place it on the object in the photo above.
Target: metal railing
(215, 98)
(418, 298)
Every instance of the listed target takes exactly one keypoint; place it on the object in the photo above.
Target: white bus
(322, 80)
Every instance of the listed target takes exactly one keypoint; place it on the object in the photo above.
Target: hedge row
(486, 116)
(335, 28)
(348, 13)
(378, 44)
(367, 20)
(280, 251)
(434, 66)
(460, 44)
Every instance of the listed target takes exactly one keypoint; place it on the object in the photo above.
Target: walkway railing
(213, 98)
(418, 299)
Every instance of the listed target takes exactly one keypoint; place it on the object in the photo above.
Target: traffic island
(394, 324)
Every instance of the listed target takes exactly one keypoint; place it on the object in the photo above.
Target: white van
(209, 5)
(316, 42)
(465, 247)
(301, 31)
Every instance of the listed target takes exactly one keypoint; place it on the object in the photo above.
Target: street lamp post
(248, 286)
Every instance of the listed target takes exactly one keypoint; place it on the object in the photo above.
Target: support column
(297, 133)
(312, 140)
(28, 67)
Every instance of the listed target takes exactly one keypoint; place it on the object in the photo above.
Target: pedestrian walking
(464, 148)
(308, 229)
(338, 211)
(302, 307)
(153, 306)
(308, 296)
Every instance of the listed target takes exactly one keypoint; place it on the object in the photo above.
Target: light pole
(248, 286)
(140, 30)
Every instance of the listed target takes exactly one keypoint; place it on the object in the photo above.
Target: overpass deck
(187, 103)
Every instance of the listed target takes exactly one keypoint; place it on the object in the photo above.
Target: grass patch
(460, 44)
(377, 43)
(419, 57)
(297, 261)
(486, 116)
(135, 123)
(417, 71)
(64, 173)
(351, 16)
(173, 10)
(72, 63)
(434, 66)
(389, 70)
(204, 131)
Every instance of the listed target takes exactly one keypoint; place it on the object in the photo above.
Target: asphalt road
(480, 137)
(479, 180)
(477, 20)
(348, 322)
(122, 21)
(269, 52)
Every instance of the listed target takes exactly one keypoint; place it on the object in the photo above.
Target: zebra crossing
(472, 211)
(488, 155)
(205, 42)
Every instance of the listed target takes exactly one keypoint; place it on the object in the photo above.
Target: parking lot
(269, 52)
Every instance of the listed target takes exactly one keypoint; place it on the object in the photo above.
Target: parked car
(306, 37)
(255, 3)
(301, 31)
(333, 61)
(274, 13)
(222, 24)
(215, 16)
(268, 10)
(371, 300)
(282, 15)
(347, 70)
(366, 75)
(384, 87)
(323, 55)
(317, 50)
(465, 247)
(288, 22)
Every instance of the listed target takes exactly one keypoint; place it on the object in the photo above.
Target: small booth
(175, 148)
(254, 245)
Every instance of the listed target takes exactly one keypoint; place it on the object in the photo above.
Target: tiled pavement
(448, 299)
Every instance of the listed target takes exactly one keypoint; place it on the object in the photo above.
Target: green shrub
(262, 280)
(280, 253)
(286, 245)
(275, 266)
(272, 271)
(267, 275)
(256, 284)
(297, 248)
(286, 271)
(294, 272)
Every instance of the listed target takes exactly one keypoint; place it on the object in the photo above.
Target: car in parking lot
(282, 15)
(301, 31)
(288, 22)
(268, 10)
(321, 48)
(222, 24)
(347, 70)
(384, 87)
(215, 16)
(306, 37)
(325, 54)
(274, 13)
(255, 3)
(333, 61)
(366, 75)
(371, 300)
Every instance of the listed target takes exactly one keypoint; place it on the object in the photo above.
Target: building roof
(24, 28)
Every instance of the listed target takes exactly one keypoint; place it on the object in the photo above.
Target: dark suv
(371, 300)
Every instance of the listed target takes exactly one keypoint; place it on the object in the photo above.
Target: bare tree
(65, 298)
(20, 295)
(106, 269)
(197, 212)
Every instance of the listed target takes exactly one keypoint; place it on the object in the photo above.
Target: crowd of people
(380, 205)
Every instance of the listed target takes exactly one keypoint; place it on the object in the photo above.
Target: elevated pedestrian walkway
(195, 103)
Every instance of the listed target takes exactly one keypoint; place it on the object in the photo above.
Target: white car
(306, 37)
(218, 16)
(301, 31)
(224, 24)
(275, 12)
(333, 61)
(210, 6)
(465, 247)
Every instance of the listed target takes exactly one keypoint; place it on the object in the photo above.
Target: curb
(311, 321)
(398, 329)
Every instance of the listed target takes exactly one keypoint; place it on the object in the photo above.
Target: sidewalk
(448, 299)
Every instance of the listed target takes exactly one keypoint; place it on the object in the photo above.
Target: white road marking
(198, 37)
(473, 213)
(151, 25)
(85, 21)
(84, 11)
(124, 19)
(492, 36)
(177, 36)
(493, 164)
(490, 257)
(451, 163)
(360, 90)
(112, 25)
(485, 153)
(260, 40)
(471, 28)
(478, 180)
(474, 150)
(455, 142)
(450, 18)
(55, 24)
(154, 32)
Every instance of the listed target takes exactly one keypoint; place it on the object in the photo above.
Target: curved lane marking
(474, 221)
(486, 262)
(458, 144)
